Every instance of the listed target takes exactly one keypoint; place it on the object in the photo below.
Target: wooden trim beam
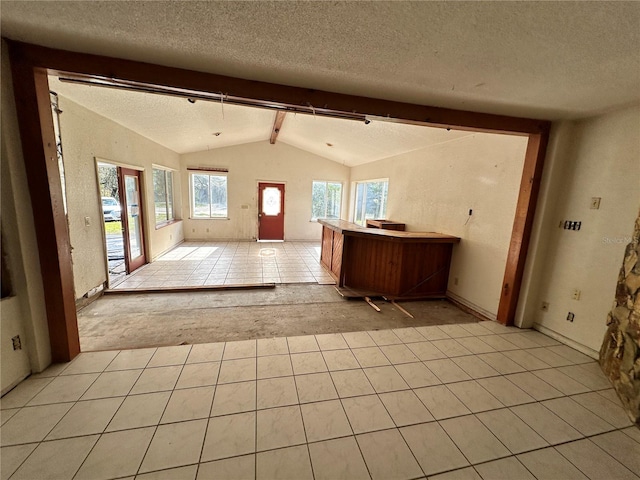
(62, 62)
(277, 125)
(522, 225)
(31, 88)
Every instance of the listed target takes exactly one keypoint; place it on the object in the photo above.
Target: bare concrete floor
(150, 320)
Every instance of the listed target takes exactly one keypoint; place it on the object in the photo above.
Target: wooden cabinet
(391, 263)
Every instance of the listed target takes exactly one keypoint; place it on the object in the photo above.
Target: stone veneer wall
(620, 351)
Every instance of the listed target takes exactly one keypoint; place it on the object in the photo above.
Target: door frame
(30, 65)
(117, 166)
(282, 201)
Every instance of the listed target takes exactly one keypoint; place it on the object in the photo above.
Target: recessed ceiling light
(216, 134)
(329, 144)
(191, 100)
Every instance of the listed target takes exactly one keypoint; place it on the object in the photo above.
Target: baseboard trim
(90, 297)
(167, 250)
(567, 341)
(470, 308)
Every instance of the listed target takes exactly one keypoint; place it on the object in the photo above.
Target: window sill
(209, 218)
(166, 224)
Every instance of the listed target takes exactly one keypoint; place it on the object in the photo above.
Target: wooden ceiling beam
(268, 95)
(277, 125)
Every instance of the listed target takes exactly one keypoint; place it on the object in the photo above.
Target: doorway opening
(30, 65)
(112, 217)
(270, 211)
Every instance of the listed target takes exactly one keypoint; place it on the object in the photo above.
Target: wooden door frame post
(39, 149)
(522, 226)
(30, 65)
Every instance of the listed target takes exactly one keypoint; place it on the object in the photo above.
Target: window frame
(326, 197)
(209, 173)
(364, 202)
(169, 202)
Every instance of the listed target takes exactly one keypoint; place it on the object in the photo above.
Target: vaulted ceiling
(184, 127)
(549, 60)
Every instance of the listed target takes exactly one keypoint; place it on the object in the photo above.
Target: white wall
(24, 314)
(597, 157)
(260, 161)
(85, 136)
(433, 189)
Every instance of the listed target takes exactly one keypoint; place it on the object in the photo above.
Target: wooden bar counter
(394, 264)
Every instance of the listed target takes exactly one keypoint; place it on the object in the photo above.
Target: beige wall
(597, 157)
(85, 137)
(260, 161)
(434, 188)
(24, 314)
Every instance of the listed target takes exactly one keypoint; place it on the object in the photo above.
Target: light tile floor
(197, 264)
(469, 401)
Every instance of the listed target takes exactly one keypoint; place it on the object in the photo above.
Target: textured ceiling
(538, 59)
(354, 143)
(185, 127)
(172, 121)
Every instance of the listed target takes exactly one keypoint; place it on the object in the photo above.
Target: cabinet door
(327, 247)
(336, 260)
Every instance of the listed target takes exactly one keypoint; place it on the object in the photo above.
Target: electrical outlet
(455, 281)
(570, 316)
(595, 203)
(193, 230)
(575, 294)
(87, 221)
(17, 344)
(545, 306)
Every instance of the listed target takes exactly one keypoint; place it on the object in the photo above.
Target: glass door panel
(271, 201)
(133, 216)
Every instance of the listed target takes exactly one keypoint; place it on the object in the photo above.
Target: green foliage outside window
(208, 196)
(371, 201)
(163, 195)
(326, 200)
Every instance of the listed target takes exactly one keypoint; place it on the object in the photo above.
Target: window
(163, 195)
(371, 200)
(208, 195)
(325, 200)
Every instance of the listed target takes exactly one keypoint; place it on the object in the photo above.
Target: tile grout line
(355, 438)
(163, 410)
(255, 427)
(117, 410)
(213, 399)
(304, 429)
